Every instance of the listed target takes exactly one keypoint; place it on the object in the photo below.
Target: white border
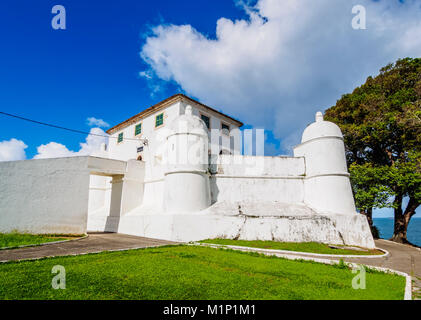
(386, 253)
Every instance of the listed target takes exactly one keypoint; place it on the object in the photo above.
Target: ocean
(385, 226)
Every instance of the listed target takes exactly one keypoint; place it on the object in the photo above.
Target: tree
(369, 190)
(381, 123)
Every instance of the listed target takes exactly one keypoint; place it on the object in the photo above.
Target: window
(225, 128)
(159, 120)
(138, 129)
(120, 137)
(206, 120)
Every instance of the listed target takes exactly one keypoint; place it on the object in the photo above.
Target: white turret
(327, 187)
(186, 187)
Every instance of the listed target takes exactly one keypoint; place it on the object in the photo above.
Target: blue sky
(271, 64)
(88, 70)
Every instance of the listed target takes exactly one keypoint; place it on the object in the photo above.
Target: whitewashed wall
(44, 196)
(258, 179)
(239, 165)
(99, 194)
(252, 189)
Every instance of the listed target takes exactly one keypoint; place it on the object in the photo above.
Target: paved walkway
(95, 242)
(401, 257)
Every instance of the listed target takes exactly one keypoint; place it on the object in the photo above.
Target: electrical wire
(65, 128)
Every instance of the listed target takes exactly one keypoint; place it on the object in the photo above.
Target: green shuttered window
(138, 129)
(159, 120)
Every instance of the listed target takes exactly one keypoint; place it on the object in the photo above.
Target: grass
(19, 239)
(190, 272)
(312, 247)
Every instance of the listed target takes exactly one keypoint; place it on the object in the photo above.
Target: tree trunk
(402, 219)
(399, 230)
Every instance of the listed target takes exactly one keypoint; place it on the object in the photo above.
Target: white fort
(176, 171)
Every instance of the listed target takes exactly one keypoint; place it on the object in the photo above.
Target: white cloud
(93, 142)
(57, 150)
(91, 121)
(11, 150)
(286, 61)
(53, 150)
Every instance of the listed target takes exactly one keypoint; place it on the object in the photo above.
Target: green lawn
(313, 247)
(190, 272)
(19, 239)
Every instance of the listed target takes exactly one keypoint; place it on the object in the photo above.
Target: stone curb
(43, 244)
(282, 254)
(386, 253)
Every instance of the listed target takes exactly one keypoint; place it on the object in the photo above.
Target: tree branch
(411, 207)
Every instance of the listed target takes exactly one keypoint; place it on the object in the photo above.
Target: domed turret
(186, 187)
(326, 187)
(321, 128)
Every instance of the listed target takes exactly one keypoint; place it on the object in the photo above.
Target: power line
(63, 128)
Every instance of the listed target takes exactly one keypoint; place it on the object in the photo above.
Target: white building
(152, 122)
(176, 171)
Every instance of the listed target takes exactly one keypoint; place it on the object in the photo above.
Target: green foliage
(342, 265)
(381, 123)
(375, 186)
(190, 272)
(368, 186)
(405, 174)
(313, 247)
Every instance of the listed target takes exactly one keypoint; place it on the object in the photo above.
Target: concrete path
(401, 257)
(95, 242)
